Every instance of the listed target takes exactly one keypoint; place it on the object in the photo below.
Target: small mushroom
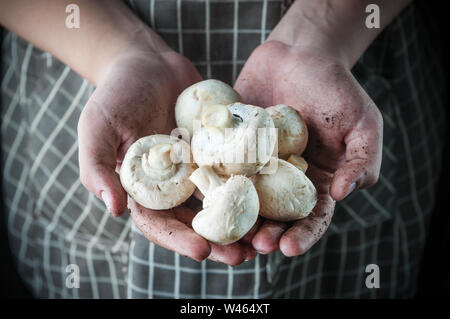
(292, 130)
(194, 100)
(286, 195)
(237, 139)
(298, 162)
(152, 174)
(230, 209)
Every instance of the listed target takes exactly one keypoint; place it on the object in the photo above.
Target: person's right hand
(135, 97)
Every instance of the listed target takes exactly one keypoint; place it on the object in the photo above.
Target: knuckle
(377, 116)
(374, 179)
(81, 120)
(371, 179)
(378, 113)
(84, 178)
(86, 181)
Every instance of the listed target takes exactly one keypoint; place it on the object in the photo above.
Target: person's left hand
(345, 133)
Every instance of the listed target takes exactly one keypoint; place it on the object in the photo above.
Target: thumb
(98, 144)
(104, 182)
(362, 156)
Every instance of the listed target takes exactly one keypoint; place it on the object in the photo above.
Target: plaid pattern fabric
(53, 221)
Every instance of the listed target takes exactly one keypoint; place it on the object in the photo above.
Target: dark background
(433, 278)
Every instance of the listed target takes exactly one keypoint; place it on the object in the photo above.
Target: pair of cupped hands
(135, 97)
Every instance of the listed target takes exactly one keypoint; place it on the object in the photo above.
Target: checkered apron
(53, 221)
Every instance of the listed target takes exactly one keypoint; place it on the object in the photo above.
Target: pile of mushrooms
(233, 147)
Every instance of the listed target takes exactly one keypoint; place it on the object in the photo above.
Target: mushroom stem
(158, 156)
(298, 162)
(157, 162)
(205, 179)
(218, 116)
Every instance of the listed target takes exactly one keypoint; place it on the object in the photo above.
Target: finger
(98, 145)
(247, 239)
(306, 232)
(362, 156)
(232, 254)
(250, 252)
(164, 229)
(266, 240)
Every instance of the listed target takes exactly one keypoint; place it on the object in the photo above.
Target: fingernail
(351, 189)
(106, 197)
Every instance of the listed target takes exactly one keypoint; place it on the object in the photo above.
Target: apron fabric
(54, 222)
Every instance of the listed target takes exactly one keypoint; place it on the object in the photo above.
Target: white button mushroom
(199, 195)
(285, 195)
(152, 174)
(230, 209)
(237, 139)
(292, 130)
(194, 100)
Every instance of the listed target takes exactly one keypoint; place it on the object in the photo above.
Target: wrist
(303, 30)
(333, 28)
(109, 32)
(140, 42)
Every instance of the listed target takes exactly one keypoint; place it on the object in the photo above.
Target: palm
(134, 99)
(335, 109)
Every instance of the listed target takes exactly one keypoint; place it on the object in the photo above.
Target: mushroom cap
(292, 130)
(199, 96)
(243, 148)
(286, 195)
(156, 188)
(230, 211)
